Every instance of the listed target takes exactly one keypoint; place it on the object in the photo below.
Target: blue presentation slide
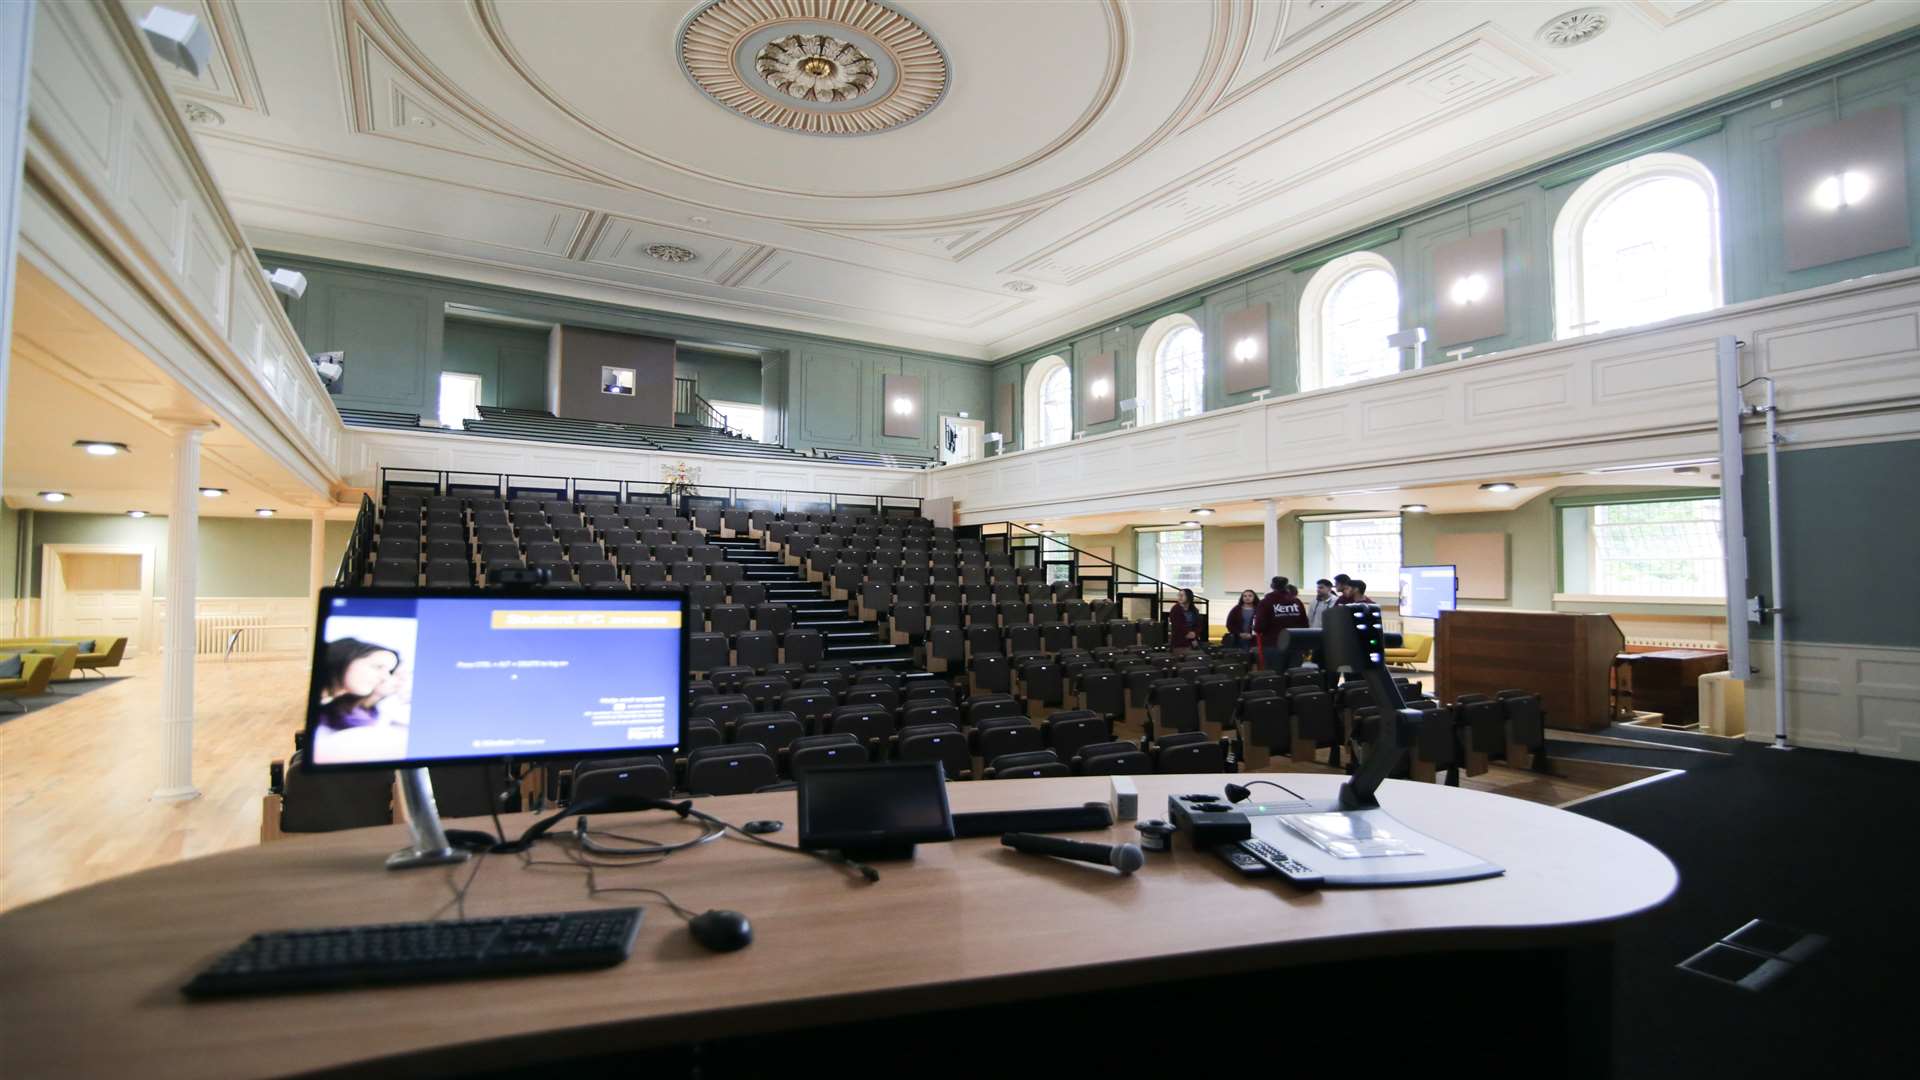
(1426, 591)
(431, 678)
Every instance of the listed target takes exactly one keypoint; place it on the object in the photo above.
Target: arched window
(1637, 243)
(1171, 370)
(1049, 404)
(1350, 308)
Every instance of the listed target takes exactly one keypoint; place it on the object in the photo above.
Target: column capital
(177, 424)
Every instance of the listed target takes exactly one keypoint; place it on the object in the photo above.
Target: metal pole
(1773, 541)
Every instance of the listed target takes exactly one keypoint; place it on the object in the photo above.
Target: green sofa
(106, 652)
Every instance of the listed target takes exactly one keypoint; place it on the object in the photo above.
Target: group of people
(1264, 623)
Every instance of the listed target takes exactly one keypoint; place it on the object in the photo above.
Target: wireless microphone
(1125, 858)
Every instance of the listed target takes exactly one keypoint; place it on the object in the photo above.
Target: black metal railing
(578, 489)
(359, 553)
(687, 402)
(1098, 577)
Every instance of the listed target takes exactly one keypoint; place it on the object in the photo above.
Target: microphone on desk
(1125, 858)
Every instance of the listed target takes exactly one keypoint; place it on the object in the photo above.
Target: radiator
(212, 632)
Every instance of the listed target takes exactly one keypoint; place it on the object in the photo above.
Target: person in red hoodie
(1183, 623)
(1281, 612)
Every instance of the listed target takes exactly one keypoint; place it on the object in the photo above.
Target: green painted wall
(1736, 139)
(238, 556)
(720, 377)
(821, 392)
(510, 360)
(10, 522)
(1848, 522)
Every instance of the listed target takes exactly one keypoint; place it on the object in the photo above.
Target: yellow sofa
(1414, 649)
(36, 671)
(65, 654)
(107, 651)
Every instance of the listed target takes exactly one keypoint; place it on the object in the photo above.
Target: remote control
(1285, 865)
(1241, 861)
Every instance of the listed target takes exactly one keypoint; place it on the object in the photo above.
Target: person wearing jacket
(1183, 623)
(1323, 600)
(1280, 613)
(1243, 621)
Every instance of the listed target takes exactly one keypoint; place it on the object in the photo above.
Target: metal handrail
(688, 402)
(353, 561)
(442, 481)
(1164, 593)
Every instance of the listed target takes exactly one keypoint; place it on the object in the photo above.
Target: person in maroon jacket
(1244, 620)
(1281, 612)
(1183, 623)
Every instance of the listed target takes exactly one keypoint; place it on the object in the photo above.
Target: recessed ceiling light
(1498, 485)
(213, 492)
(1033, 524)
(1190, 524)
(264, 512)
(136, 513)
(1413, 508)
(1360, 491)
(55, 496)
(1201, 511)
(99, 448)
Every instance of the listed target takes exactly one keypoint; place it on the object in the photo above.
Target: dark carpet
(56, 693)
(1825, 842)
(1658, 757)
(1669, 737)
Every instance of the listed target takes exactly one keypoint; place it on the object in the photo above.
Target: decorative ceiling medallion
(672, 253)
(821, 67)
(1574, 28)
(197, 113)
(1019, 286)
(814, 67)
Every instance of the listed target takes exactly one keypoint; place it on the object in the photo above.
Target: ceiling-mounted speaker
(180, 39)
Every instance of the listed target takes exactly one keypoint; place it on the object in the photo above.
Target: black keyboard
(420, 951)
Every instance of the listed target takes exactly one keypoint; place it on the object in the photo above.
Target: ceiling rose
(1574, 28)
(822, 67)
(672, 253)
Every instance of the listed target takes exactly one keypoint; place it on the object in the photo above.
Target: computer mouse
(721, 931)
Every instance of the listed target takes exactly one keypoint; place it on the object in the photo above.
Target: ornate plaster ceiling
(1105, 152)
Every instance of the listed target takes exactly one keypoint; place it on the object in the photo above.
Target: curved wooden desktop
(94, 974)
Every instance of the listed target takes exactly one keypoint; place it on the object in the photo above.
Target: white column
(183, 576)
(1270, 535)
(16, 57)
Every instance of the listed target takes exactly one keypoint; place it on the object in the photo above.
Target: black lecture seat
(1036, 763)
(730, 769)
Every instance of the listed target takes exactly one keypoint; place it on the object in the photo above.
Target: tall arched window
(1350, 308)
(1171, 370)
(1637, 243)
(1049, 403)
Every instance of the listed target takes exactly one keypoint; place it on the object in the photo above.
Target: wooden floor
(75, 777)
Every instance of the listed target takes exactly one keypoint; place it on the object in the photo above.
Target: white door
(961, 440)
(100, 596)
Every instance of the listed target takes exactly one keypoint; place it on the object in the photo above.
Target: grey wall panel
(1003, 394)
(1098, 390)
(1243, 349)
(904, 400)
(830, 399)
(1821, 225)
(1481, 257)
(385, 340)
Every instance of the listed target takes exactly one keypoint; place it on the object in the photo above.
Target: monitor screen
(1426, 591)
(407, 677)
(859, 806)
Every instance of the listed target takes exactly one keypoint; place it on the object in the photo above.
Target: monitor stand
(430, 847)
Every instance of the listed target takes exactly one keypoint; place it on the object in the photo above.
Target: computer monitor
(1426, 591)
(873, 811)
(404, 678)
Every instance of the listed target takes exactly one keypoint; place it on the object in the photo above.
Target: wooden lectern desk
(1562, 656)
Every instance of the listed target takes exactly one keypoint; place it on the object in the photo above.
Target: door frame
(977, 426)
(53, 583)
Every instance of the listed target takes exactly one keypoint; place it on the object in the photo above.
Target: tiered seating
(375, 418)
(873, 457)
(545, 427)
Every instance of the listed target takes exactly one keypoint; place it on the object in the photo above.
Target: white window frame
(1146, 382)
(1715, 579)
(759, 428)
(1569, 285)
(1336, 563)
(1313, 303)
(1033, 431)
